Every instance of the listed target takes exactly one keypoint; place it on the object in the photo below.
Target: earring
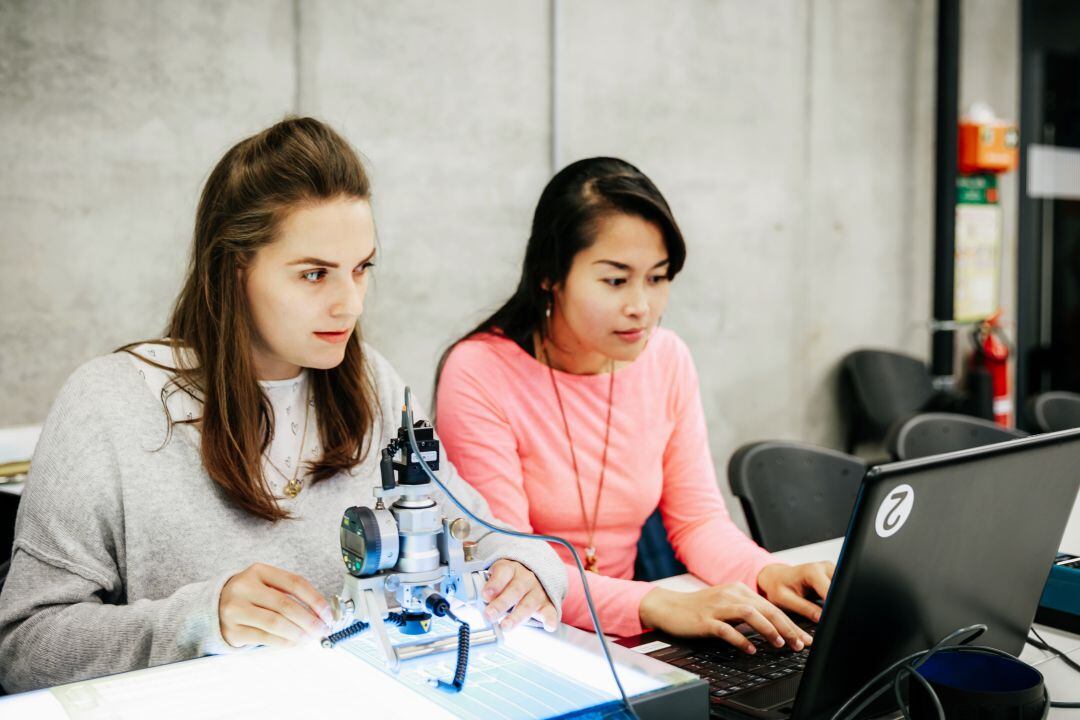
(547, 312)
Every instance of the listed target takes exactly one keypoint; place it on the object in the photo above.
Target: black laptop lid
(937, 544)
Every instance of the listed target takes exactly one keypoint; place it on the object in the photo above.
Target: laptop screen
(937, 544)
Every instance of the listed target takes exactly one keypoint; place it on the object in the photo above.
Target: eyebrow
(325, 263)
(624, 266)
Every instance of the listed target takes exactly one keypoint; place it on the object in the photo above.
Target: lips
(334, 336)
(631, 335)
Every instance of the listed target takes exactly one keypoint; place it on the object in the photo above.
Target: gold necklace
(591, 561)
(295, 484)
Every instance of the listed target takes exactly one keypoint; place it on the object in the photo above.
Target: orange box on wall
(988, 147)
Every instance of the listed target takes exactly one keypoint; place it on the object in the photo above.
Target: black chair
(3, 576)
(655, 556)
(880, 387)
(793, 493)
(1053, 411)
(936, 433)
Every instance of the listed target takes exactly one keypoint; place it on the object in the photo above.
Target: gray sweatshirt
(121, 550)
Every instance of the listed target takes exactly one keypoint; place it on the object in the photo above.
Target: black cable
(440, 607)
(1041, 643)
(515, 533)
(334, 638)
(907, 667)
(965, 635)
(462, 656)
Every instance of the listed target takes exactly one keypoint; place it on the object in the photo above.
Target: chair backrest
(793, 493)
(3, 572)
(655, 556)
(936, 433)
(1054, 411)
(884, 386)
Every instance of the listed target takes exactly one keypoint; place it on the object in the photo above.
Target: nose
(349, 302)
(637, 303)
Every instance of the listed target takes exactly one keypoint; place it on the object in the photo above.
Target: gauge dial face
(369, 540)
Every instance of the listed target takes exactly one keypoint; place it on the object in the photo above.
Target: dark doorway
(1048, 305)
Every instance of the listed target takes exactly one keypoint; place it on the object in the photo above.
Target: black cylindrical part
(945, 161)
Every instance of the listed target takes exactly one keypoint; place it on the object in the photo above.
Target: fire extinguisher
(992, 355)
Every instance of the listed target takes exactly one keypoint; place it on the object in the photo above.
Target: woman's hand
(715, 611)
(265, 605)
(512, 585)
(788, 586)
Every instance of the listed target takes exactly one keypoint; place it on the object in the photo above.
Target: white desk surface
(16, 444)
(308, 681)
(12, 488)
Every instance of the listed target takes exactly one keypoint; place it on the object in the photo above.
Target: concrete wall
(793, 139)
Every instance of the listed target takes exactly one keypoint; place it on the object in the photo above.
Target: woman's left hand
(788, 586)
(512, 585)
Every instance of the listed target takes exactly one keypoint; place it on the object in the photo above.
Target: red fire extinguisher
(992, 354)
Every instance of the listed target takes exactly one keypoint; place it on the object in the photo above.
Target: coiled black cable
(462, 660)
(440, 606)
(334, 638)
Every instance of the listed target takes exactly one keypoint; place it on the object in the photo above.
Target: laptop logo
(895, 510)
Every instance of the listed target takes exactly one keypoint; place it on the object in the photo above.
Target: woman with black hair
(575, 414)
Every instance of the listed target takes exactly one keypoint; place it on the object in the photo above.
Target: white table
(17, 443)
(310, 682)
(1062, 681)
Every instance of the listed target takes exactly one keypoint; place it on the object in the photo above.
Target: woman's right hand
(715, 611)
(265, 605)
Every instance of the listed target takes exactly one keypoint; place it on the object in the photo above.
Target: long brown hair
(253, 188)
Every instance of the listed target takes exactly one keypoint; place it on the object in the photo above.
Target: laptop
(933, 545)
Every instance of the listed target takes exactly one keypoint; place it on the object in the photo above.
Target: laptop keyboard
(729, 670)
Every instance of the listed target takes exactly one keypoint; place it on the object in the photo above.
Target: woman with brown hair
(186, 493)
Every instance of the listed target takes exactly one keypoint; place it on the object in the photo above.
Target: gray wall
(793, 139)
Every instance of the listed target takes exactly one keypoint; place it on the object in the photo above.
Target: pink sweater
(499, 422)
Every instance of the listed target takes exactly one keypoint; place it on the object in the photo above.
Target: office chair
(793, 493)
(880, 387)
(655, 556)
(1053, 411)
(936, 433)
(4, 567)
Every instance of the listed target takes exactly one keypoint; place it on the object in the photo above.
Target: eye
(313, 276)
(657, 279)
(364, 267)
(615, 282)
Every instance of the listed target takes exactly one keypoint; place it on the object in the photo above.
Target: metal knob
(460, 529)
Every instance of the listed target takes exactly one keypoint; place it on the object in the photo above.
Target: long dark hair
(250, 192)
(564, 224)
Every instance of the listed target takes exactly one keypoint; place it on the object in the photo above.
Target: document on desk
(532, 675)
(294, 683)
